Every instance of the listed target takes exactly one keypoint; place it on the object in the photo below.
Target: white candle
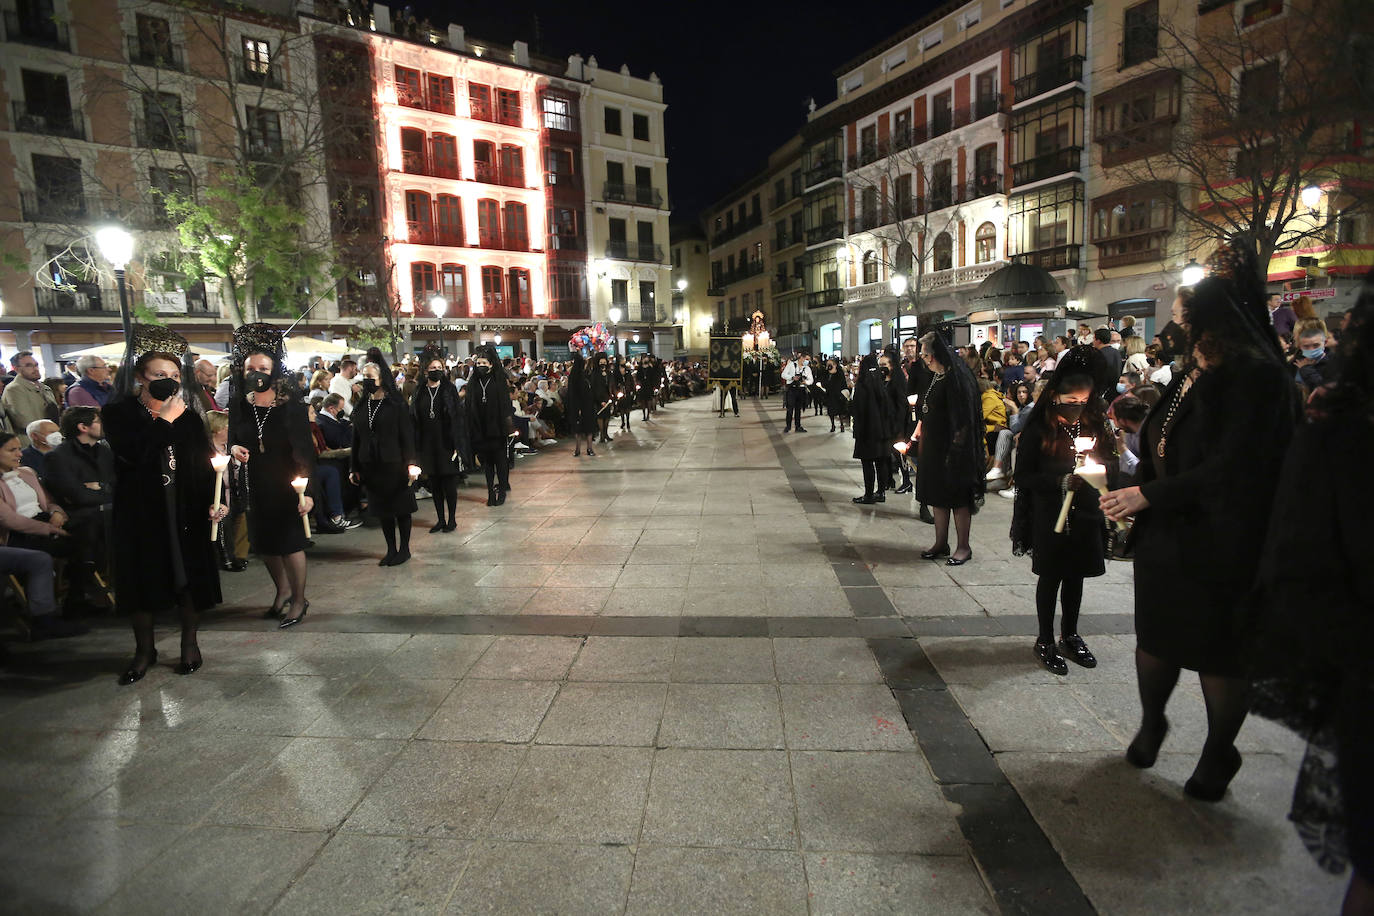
(901, 447)
(299, 485)
(219, 463)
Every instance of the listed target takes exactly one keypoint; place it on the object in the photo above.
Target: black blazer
(388, 439)
(71, 466)
(338, 433)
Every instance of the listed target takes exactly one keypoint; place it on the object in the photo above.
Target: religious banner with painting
(726, 364)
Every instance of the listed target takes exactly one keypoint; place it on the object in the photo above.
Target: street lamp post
(117, 247)
(898, 284)
(439, 306)
(614, 314)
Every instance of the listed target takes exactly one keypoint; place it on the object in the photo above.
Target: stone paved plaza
(684, 676)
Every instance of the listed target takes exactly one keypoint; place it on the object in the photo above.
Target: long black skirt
(389, 491)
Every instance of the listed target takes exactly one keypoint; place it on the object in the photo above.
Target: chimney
(574, 66)
(457, 37)
(522, 53)
(381, 17)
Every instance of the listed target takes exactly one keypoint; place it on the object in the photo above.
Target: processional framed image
(725, 368)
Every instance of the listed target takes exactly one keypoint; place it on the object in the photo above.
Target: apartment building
(739, 238)
(629, 210)
(106, 110)
(693, 309)
(785, 260)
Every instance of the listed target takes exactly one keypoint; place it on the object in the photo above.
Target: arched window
(448, 220)
(944, 251)
(419, 221)
(488, 223)
(444, 159)
(493, 292)
(870, 267)
(484, 161)
(985, 244)
(904, 258)
(520, 302)
(423, 283)
(517, 227)
(412, 150)
(512, 166)
(453, 286)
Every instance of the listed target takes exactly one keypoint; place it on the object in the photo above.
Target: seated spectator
(1013, 372)
(92, 388)
(80, 478)
(28, 518)
(44, 436)
(994, 412)
(333, 422)
(1022, 400)
(34, 567)
(331, 470)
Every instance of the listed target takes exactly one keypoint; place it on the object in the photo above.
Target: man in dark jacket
(335, 426)
(80, 477)
(1102, 341)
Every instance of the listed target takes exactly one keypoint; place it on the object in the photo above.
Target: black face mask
(483, 370)
(369, 385)
(435, 375)
(163, 388)
(256, 381)
(1069, 413)
(887, 370)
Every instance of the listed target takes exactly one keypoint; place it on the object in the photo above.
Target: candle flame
(219, 462)
(912, 399)
(414, 470)
(299, 484)
(1084, 444)
(901, 447)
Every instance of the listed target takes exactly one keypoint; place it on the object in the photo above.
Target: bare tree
(1264, 110)
(906, 197)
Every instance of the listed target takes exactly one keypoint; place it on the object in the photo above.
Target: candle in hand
(1084, 444)
(902, 447)
(414, 470)
(912, 399)
(299, 485)
(219, 463)
(1093, 474)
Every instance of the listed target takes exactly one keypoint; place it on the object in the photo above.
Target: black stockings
(1227, 700)
(963, 521)
(445, 497)
(870, 475)
(142, 623)
(1070, 591)
(390, 524)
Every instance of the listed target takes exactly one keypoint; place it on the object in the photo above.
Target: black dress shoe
(189, 665)
(866, 500)
(801, 429)
(234, 565)
(956, 561)
(1145, 746)
(1214, 791)
(1073, 646)
(935, 553)
(500, 497)
(387, 560)
(450, 527)
(1049, 657)
(275, 611)
(292, 621)
(400, 558)
(491, 497)
(880, 497)
(133, 673)
(904, 488)
(438, 526)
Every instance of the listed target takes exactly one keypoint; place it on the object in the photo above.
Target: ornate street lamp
(117, 247)
(439, 306)
(614, 314)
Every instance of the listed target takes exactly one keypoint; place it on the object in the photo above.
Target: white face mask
(54, 439)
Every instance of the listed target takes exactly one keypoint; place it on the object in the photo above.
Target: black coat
(448, 429)
(581, 403)
(71, 466)
(147, 538)
(836, 384)
(1113, 371)
(337, 431)
(1040, 479)
(898, 411)
(490, 420)
(1197, 546)
(874, 418)
(388, 438)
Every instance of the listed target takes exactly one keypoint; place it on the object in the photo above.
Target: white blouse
(25, 497)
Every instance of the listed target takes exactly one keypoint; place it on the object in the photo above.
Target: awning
(1140, 308)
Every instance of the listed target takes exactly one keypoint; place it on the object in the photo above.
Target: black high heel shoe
(955, 561)
(292, 621)
(276, 610)
(387, 560)
(438, 526)
(191, 666)
(935, 553)
(133, 675)
(1214, 791)
(1144, 748)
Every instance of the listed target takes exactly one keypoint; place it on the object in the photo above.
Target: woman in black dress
(602, 385)
(1318, 678)
(873, 422)
(623, 390)
(1045, 461)
(164, 490)
(952, 457)
(441, 438)
(383, 451)
(269, 420)
(890, 363)
(582, 405)
(490, 421)
(836, 387)
(1211, 453)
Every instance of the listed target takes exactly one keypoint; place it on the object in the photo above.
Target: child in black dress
(1069, 409)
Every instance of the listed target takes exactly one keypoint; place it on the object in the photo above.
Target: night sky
(736, 75)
